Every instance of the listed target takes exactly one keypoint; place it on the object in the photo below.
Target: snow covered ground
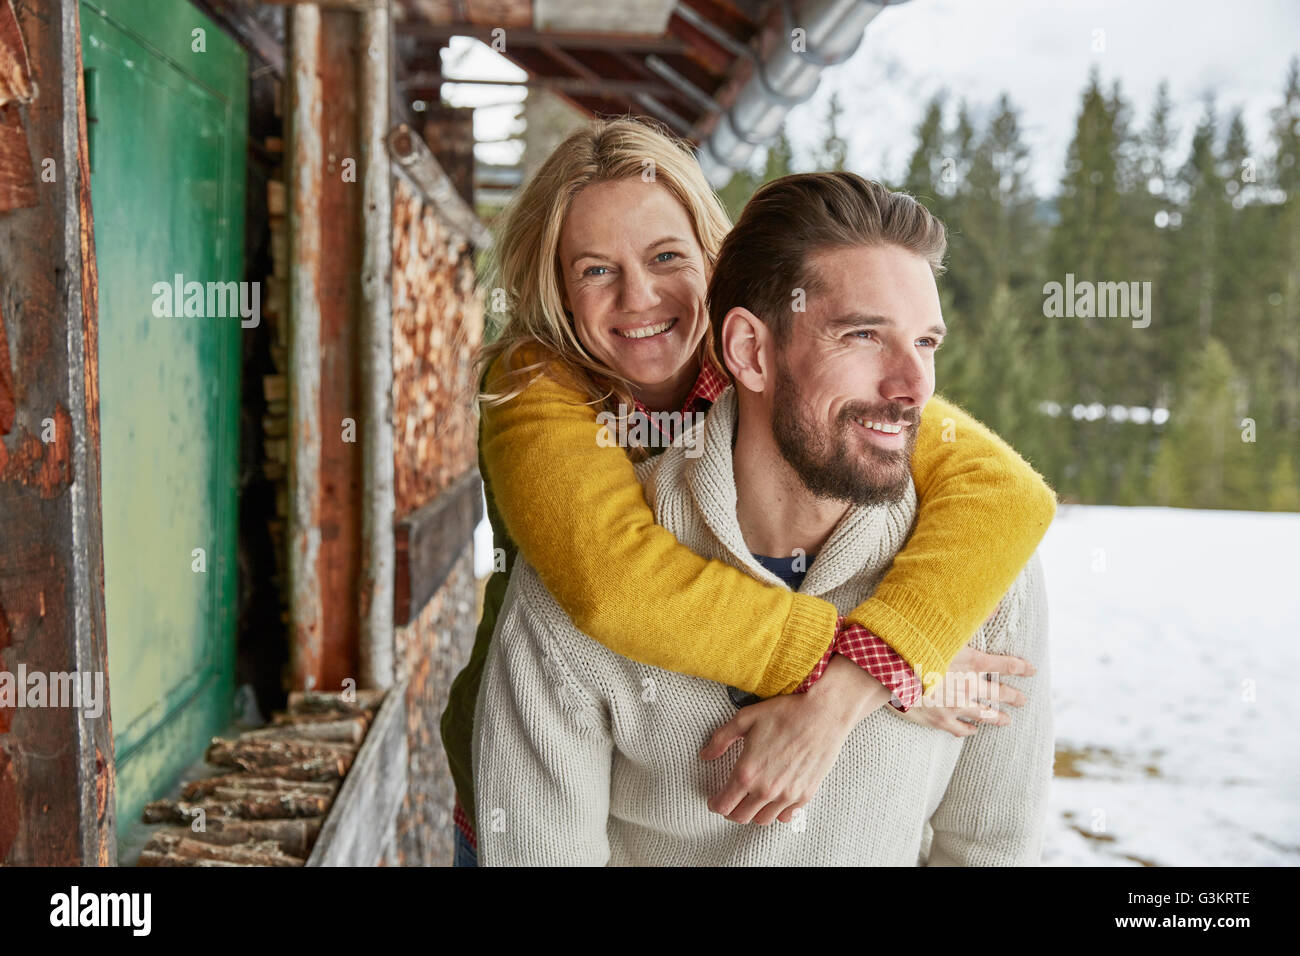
(1175, 640)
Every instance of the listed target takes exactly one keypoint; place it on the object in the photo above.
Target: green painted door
(166, 95)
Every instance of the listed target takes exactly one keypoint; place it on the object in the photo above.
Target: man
(584, 757)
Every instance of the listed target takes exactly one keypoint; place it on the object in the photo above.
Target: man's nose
(638, 293)
(907, 379)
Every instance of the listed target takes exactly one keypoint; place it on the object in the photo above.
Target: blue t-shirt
(792, 571)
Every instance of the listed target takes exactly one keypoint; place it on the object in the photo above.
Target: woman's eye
(660, 257)
(591, 270)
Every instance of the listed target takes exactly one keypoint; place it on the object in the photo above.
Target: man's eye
(862, 333)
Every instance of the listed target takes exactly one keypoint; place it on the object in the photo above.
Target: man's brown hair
(764, 259)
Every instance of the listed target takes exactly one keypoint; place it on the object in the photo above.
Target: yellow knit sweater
(577, 513)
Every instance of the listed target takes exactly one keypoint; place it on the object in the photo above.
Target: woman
(607, 255)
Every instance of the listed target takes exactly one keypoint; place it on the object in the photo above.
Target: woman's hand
(791, 742)
(968, 691)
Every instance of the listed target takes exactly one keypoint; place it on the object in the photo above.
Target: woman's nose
(638, 293)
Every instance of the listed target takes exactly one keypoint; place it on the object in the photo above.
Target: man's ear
(747, 349)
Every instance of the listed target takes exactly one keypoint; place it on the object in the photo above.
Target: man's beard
(825, 463)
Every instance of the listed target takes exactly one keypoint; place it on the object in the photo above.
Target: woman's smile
(645, 330)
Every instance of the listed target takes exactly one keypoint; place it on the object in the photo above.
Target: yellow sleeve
(981, 512)
(579, 516)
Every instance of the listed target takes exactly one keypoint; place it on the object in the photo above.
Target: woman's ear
(747, 349)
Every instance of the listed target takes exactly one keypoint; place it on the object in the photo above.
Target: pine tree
(1087, 242)
(1153, 207)
(780, 158)
(778, 162)
(1283, 322)
(1284, 486)
(835, 148)
(928, 177)
(1203, 461)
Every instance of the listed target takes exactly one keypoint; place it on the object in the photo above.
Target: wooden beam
(57, 799)
(564, 84)
(355, 5)
(521, 37)
(358, 826)
(430, 540)
(710, 52)
(251, 34)
(569, 61)
(339, 495)
(416, 161)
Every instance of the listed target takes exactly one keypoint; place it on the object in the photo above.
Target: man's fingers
(787, 815)
(1003, 664)
(725, 736)
(726, 799)
(995, 690)
(745, 810)
(958, 728)
(983, 715)
(768, 814)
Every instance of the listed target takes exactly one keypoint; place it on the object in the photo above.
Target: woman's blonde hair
(527, 266)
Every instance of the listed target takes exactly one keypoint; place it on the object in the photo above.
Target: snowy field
(1175, 635)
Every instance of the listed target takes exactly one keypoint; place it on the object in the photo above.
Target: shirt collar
(709, 384)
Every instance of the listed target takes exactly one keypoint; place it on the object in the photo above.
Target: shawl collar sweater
(585, 757)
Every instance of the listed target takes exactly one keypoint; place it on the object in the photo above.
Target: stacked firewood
(437, 328)
(278, 782)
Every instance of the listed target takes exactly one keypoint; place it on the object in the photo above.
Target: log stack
(437, 327)
(275, 787)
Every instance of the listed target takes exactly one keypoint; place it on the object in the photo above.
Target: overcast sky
(1039, 53)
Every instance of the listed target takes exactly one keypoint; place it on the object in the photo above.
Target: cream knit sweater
(585, 757)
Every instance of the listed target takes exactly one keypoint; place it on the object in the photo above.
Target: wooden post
(56, 763)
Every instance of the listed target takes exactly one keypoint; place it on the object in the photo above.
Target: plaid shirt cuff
(875, 657)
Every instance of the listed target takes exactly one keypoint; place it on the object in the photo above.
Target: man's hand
(791, 742)
(969, 691)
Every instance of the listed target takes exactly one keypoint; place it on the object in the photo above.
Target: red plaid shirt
(876, 658)
(852, 640)
(708, 386)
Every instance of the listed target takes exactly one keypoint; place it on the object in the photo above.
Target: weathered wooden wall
(56, 764)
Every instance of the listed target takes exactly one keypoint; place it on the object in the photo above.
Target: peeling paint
(8, 399)
(103, 786)
(36, 464)
(8, 805)
(15, 71)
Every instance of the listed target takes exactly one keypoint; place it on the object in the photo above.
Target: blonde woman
(606, 256)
